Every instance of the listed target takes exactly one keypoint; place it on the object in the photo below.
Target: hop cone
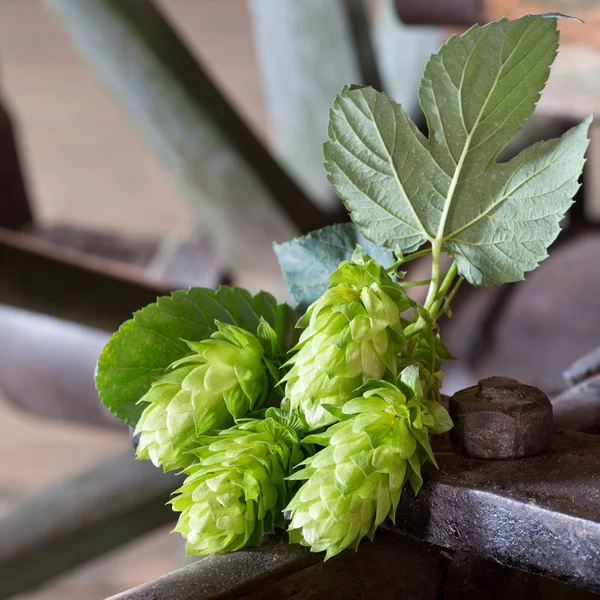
(223, 379)
(353, 333)
(238, 490)
(355, 482)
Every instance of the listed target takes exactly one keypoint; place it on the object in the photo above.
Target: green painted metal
(306, 54)
(244, 199)
(402, 52)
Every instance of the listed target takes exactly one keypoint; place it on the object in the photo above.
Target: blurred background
(149, 146)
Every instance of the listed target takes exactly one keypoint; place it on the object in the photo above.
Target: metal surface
(578, 407)
(389, 568)
(81, 518)
(500, 418)
(65, 283)
(584, 367)
(540, 514)
(38, 379)
(244, 199)
(305, 52)
(15, 211)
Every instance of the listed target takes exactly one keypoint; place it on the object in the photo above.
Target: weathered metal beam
(81, 518)
(36, 378)
(15, 210)
(578, 407)
(244, 199)
(306, 55)
(402, 51)
(540, 514)
(360, 27)
(389, 568)
(584, 367)
(68, 284)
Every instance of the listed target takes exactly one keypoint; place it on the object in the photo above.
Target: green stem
(416, 283)
(436, 251)
(433, 306)
(451, 295)
(414, 328)
(443, 291)
(408, 258)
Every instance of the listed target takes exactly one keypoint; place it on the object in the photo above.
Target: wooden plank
(438, 12)
(359, 19)
(243, 198)
(80, 518)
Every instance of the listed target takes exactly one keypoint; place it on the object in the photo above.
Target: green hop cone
(224, 378)
(355, 482)
(427, 350)
(352, 333)
(238, 489)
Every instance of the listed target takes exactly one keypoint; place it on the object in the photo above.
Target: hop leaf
(224, 378)
(404, 189)
(355, 482)
(353, 333)
(238, 490)
(146, 345)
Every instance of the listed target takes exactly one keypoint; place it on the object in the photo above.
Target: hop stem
(443, 291)
(436, 251)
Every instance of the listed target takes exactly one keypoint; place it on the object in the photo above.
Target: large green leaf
(148, 343)
(404, 189)
(308, 261)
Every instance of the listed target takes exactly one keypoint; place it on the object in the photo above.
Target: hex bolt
(501, 418)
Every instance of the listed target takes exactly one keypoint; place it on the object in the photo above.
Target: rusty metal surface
(540, 514)
(500, 418)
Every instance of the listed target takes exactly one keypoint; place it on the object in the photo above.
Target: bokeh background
(94, 185)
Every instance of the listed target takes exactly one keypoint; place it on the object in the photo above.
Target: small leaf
(267, 335)
(443, 422)
(308, 261)
(147, 344)
(404, 189)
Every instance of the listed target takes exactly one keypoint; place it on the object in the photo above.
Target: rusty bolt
(501, 418)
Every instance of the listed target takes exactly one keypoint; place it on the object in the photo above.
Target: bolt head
(501, 418)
